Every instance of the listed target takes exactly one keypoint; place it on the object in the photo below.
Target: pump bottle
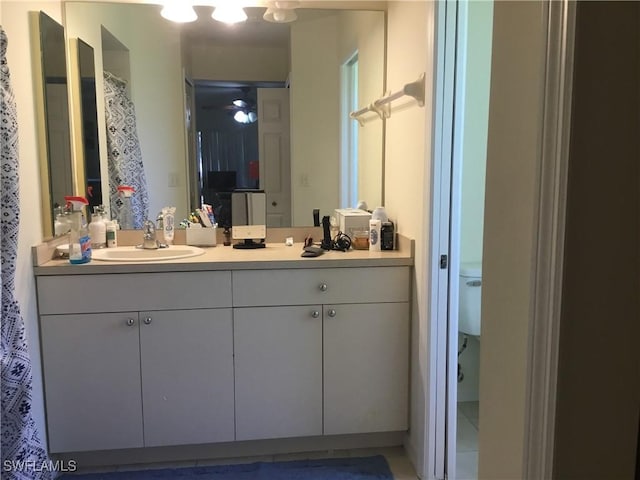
(79, 240)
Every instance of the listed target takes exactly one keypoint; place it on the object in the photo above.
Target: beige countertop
(274, 256)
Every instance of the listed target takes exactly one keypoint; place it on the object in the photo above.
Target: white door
(92, 381)
(274, 154)
(364, 347)
(440, 441)
(278, 371)
(186, 361)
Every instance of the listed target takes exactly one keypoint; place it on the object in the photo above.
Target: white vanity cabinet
(166, 358)
(334, 361)
(141, 377)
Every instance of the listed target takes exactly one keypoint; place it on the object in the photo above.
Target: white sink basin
(133, 254)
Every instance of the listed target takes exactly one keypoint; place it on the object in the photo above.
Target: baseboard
(232, 449)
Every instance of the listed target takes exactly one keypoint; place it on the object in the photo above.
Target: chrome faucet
(149, 241)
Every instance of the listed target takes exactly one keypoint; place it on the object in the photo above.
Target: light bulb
(229, 14)
(178, 11)
(241, 117)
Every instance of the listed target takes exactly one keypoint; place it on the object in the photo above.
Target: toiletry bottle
(168, 219)
(112, 234)
(387, 236)
(79, 240)
(374, 235)
(61, 224)
(126, 212)
(98, 228)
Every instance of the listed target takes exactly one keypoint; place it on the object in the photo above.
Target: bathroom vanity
(229, 346)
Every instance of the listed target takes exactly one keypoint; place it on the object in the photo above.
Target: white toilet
(469, 298)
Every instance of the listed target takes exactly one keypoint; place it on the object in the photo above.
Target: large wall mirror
(56, 166)
(307, 76)
(89, 124)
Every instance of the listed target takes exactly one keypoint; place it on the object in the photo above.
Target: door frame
(547, 261)
(549, 242)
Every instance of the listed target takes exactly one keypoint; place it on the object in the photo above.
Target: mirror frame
(42, 123)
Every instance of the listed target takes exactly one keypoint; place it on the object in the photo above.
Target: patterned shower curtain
(23, 456)
(125, 156)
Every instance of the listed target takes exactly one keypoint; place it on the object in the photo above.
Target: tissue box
(352, 219)
(201, 237)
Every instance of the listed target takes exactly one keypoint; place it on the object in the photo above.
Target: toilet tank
(469, 298)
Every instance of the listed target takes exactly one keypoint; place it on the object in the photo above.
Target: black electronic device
(326, 228)
(316, 217)
(387, 236)
(312, 251)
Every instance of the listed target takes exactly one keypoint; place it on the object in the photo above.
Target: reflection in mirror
(91, 149)
(166, 59)
(57, 174)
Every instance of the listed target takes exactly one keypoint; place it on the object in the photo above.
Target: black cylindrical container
(387, 236)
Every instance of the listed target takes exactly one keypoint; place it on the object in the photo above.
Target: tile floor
(399, 463)
(467, 441)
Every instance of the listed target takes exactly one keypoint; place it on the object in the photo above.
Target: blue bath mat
(362, 468)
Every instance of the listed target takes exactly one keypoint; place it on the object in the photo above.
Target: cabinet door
(278, 360)
(92, 381)
(187, 376)
(366, 368)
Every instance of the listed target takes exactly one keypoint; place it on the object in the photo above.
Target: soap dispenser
(79, 239)
(98, 228)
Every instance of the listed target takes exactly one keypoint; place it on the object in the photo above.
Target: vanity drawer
(133, 292)
(320, 286)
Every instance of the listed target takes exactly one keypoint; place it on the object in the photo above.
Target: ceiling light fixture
(229, 14)
(281, 11)
(245, 117)
(280, 15)
(178, 11)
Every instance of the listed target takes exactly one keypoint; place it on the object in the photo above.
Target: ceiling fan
(242, 107)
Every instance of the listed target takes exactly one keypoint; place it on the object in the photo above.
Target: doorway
(229, 145)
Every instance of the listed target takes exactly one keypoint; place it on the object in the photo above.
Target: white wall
(15, 18)
(515, 122)
(238, 63)
(156, 90)
(408, 178)
(319, 48)
(315, 127)
(364, 32)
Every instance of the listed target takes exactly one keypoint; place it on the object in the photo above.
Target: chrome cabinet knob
(324, 287)
(130, 322)
(332, 313)
(315, 314)
(147, 321)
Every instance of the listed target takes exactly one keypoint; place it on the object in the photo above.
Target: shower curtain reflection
(124, 153)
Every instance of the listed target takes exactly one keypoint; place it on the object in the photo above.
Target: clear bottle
(112, 234)
(126, 212)
(98, 228)
(79, 239)
(61, 224)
